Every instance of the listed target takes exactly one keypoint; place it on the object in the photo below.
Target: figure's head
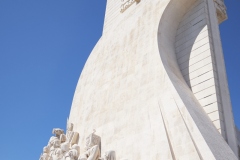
(57, 131)
(45, 149)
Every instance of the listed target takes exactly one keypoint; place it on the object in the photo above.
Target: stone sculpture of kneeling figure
(73, 153)
(92, 149)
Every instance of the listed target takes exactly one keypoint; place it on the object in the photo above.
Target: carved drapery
(64, 147)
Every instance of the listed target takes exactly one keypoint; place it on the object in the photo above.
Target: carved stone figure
(45, 154)
(71, 137)
(73, 153)
(55, 150)
(61, 146)
(59, 134)
(92, 149)
(65, 147)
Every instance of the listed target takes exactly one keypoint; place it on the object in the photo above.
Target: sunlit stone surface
(155, 86)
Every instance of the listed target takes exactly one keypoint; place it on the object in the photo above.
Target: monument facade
(153, 88)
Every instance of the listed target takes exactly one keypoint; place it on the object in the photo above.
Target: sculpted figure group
(64, 147)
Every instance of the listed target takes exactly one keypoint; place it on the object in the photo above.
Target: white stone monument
(155, 86)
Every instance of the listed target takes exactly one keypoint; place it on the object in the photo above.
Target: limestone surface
(155, 86)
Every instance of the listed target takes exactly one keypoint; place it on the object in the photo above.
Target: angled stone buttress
(155, 86)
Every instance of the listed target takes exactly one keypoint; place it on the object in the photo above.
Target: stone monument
(154, 87)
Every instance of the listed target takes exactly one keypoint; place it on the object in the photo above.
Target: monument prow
(155, 85)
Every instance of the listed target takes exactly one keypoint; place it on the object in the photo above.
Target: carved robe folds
(45, 154)
(73, 153)
(64, 147)
(71, 137)
(61, 146)
(92, 149)
(55, 150)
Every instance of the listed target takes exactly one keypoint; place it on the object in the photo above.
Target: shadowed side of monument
(193, 28)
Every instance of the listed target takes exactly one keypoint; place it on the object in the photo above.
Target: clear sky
(44, 45)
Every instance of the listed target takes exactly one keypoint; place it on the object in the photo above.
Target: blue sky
(44, 45)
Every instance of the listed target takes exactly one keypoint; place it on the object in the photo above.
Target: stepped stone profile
(154, 87)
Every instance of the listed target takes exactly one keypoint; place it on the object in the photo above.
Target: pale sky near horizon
(44, 45)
